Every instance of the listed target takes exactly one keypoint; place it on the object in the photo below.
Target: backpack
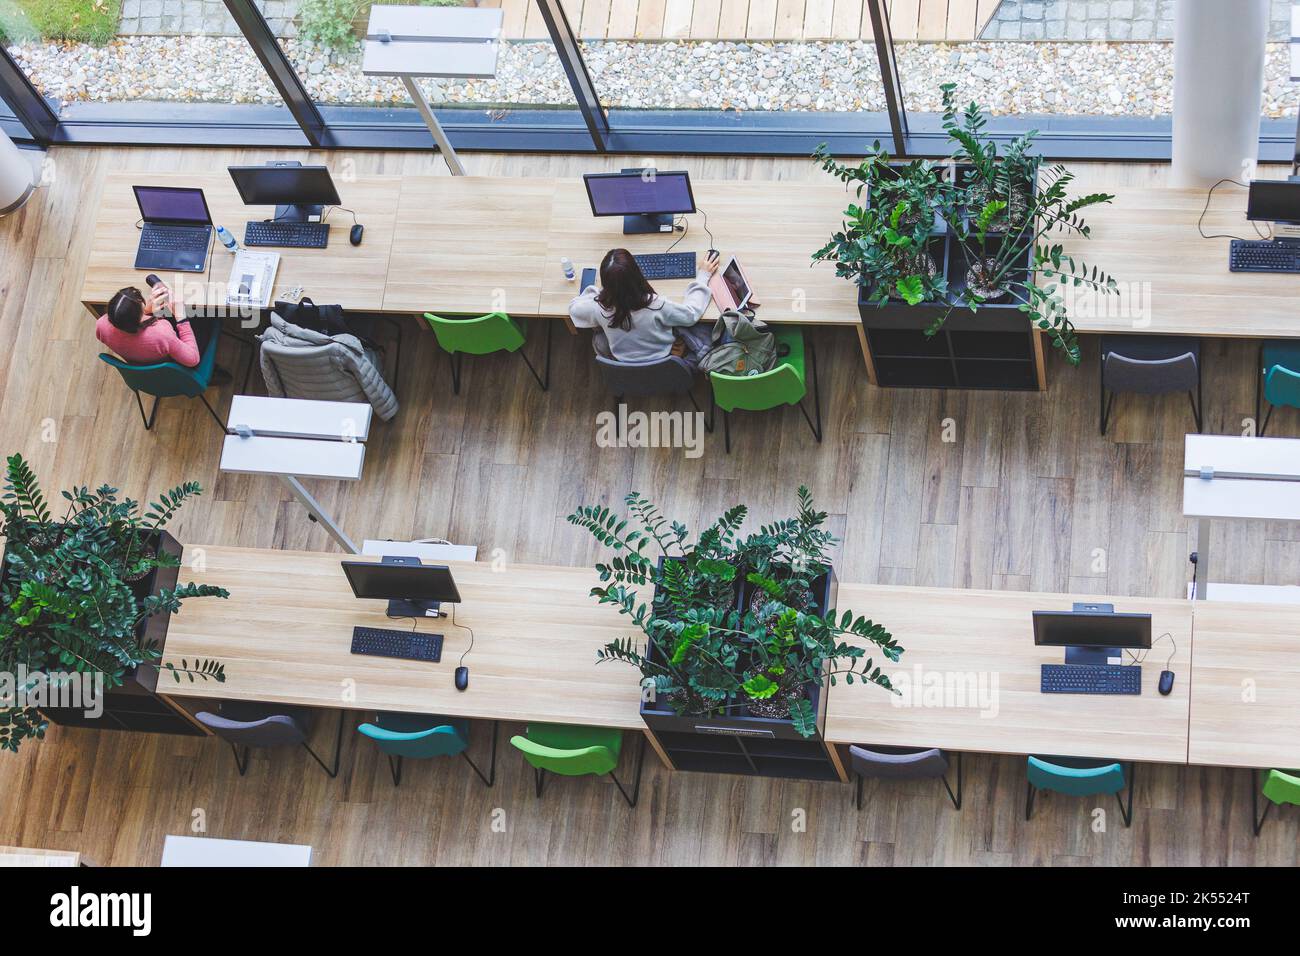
(742, 345)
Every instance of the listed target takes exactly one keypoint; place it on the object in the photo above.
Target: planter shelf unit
(737, 742)
(993, 348)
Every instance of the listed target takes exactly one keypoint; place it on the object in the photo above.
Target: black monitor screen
(1092, 629)
(1273, 200)
(398, 582)
(633, 194)
(172, 204)
(285, 185)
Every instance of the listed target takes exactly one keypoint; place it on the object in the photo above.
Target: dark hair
(623, 288)
(126, 310)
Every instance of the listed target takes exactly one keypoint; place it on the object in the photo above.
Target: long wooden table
(970, 676)
(970, 672)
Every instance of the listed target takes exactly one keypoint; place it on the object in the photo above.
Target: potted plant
(1003, 268)
(740, 634)
(89, 593)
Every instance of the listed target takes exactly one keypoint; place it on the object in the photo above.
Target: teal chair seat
(423, 736)
(1280, 787)
(786, 384)
(1279, 378)
(1079, 777)
(484, 335)
(169, 380)
(573, 751)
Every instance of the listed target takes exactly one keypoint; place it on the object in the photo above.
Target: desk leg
(654, 742)
(837, 760)
(866, 354)
(315, 510)
(568, 322)
(430, 120)
(1202, 558)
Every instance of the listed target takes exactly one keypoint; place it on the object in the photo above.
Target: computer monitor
(412, 589)
(299, 193)
(1092, 633)
(647, 199)
(1273, 200)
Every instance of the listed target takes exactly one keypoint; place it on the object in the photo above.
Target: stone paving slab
(1102, 20)
(143, 17)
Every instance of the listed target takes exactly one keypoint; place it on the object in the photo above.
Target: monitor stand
(298, 213)
(651, 222)
(408, 607)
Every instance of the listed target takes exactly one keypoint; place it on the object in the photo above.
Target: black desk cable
(1143, 658)
(1223, 235)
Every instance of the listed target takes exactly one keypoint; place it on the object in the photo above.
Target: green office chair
(787, 384)
(421, 736)
(1079, 777)
(169, 380)
(494, 332)
(1279, 378)
(1280, 786)
(573, 751)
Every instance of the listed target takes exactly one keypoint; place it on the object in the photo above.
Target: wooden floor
(750, 19)
(1026, 496)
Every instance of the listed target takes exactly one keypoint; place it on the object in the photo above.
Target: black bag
(306, 314)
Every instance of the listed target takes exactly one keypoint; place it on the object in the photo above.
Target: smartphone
(588, 278)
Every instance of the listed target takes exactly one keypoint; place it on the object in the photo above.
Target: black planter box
(992, 348)
(734, 741)
(135, 705)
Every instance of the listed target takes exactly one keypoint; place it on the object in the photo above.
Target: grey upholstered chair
(246, 724)
(1150, 365)
(665, 376)
(903, 763)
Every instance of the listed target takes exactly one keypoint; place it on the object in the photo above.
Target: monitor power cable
(1200, 222)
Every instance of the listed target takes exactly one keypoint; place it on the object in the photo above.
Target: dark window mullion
(26, 102)
(889, 74)
(281, 72)
(575, 67)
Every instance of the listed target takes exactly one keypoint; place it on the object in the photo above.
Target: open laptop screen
(172, 204)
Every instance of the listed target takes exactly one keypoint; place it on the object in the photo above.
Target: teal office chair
(786, 384)
(1280, 786)
(421, 736)
(169, 380)
(494, 332)
(1279, 378)
(576, 752)
(1079, 777)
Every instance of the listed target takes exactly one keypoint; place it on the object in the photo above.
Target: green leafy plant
(1006, 213)
(884, 243)
(71, 601)
(703, 653)
(329, 22)
(75, 21)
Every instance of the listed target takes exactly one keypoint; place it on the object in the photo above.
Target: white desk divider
(210, 851)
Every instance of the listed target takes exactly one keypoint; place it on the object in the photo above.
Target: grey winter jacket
(301, 363)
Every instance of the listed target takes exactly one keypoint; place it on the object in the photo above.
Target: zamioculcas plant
(70, 601)
(704, 654)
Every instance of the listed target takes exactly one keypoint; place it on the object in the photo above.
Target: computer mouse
(462, 678)
(712, 254)
(354, 236)
(1166, 682)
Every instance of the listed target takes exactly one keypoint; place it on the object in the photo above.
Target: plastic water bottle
(567, 265)
(227, 240)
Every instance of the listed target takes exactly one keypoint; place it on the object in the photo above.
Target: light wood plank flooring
(1028, 496)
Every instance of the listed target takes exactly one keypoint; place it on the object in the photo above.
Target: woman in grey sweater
(639, 325)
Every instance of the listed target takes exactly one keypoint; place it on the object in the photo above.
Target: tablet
(730, 286)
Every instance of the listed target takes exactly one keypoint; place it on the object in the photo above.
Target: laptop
(177, 230)
(730, 287)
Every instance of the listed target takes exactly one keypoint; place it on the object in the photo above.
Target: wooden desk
(471, 244)
(21, 856)
(353, 276)
(285, 635)
(961, 637)
(1245, 686)
(1147, 239)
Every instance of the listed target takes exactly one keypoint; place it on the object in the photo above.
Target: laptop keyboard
(174, 238)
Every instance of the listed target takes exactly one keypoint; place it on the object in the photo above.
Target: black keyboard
(386, 642)
(1263, 255)
(667, 265)
(300, 235)
(1091, 679)
(157, 238)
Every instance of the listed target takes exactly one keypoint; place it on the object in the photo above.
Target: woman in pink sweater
(137, 329)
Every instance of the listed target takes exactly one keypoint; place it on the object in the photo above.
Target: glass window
(716, 55)
(323, 40)
(168, 56)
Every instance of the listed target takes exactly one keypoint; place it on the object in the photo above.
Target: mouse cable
(712, 244)
(465, 627)
(1223, 235)
(686, 227)
(1142, 659)
(325, 217)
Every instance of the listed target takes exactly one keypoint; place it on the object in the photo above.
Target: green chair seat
(786, 384)
(169, 380)
(574, 751)
(422, 736)
(1079, 777)
(1280, 787)
(485, 335)
(1279, 378)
